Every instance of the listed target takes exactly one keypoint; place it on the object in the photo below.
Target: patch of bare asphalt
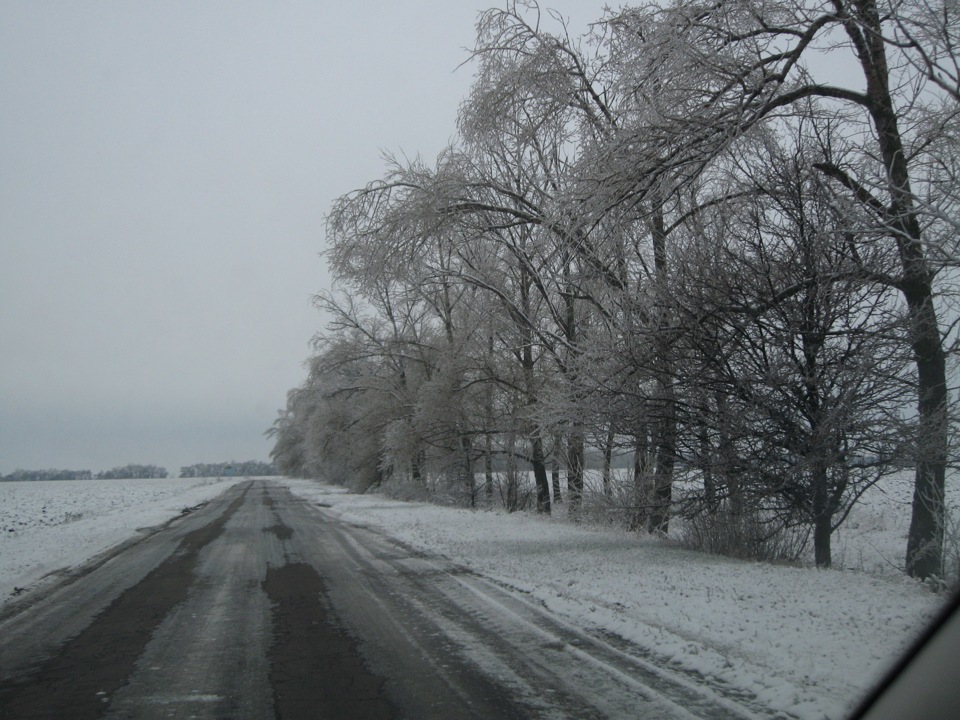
(77, 683)
(280, 530)
(267, 499)
(316, 669)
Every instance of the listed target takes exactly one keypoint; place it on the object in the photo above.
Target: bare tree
(802, 341)
(703, 73)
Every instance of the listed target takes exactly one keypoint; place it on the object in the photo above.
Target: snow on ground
(50, 526)
(874, 536)
(807, 642)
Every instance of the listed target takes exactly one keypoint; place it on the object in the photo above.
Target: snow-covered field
(50, 526)
(806, 642)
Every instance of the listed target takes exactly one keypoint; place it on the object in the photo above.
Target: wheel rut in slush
(316, 669)
(78, 681)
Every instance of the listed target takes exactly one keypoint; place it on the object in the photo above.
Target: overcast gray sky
(164, 171)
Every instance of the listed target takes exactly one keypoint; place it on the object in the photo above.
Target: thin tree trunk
(575, 439)
(607, 459)
(726, 458)
(666, 455)
(575, 453)
(641, 452)
(488, 468)
(555, 468)
(415, 471)
(540, 475)
(488, 436)
(706, 467)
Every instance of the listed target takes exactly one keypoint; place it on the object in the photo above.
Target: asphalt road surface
(261, 605)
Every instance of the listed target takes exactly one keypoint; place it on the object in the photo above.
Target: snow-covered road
(793, 640)
(263, 605)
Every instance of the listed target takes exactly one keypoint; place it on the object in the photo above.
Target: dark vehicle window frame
(925, 681)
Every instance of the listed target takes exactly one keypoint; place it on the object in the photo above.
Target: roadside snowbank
(50, 526)
(805, 642)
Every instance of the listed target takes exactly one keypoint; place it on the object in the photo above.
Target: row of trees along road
(248, 468)
(672, 236)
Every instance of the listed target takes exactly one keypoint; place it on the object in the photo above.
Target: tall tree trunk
(466, 444)
(925, 539)
(666, 401)
(822, 515)
(528, 363)
(705, 461)
(512, 499)
(666, 457)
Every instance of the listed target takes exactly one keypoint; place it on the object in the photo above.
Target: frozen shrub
(746, 535)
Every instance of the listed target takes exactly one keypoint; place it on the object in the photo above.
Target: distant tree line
(132, 471)
(138, 472)
(665, 238)
(22, 475)
(250, 468)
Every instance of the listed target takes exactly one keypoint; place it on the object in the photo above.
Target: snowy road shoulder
(50, 527)
(803, 641)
